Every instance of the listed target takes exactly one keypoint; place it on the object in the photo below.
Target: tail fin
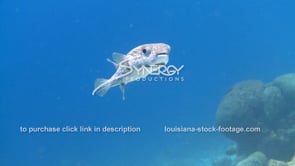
(101, 86)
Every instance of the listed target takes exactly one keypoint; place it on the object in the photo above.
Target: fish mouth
(162, 59)
(160, 64)
(162, 54)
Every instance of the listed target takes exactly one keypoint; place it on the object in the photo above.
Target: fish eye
(146, 51)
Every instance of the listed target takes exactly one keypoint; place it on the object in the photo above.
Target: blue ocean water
(52, 51)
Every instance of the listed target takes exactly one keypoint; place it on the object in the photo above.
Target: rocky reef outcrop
(269, 107)
(255, 159)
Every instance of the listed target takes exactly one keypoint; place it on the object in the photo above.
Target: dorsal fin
(118, 57)
(114, 63)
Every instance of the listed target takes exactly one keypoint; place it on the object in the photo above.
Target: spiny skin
(144, 55)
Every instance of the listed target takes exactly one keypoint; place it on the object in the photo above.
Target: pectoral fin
(118, 57)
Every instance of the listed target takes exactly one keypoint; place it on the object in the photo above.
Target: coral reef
(292, 162)
(286, 83)
(241, 107)
(269, 107)
(255, 159)
(272, 162)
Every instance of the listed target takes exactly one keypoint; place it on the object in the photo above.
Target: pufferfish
(127, 66)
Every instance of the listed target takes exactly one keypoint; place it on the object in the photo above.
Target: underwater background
(52, 51)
